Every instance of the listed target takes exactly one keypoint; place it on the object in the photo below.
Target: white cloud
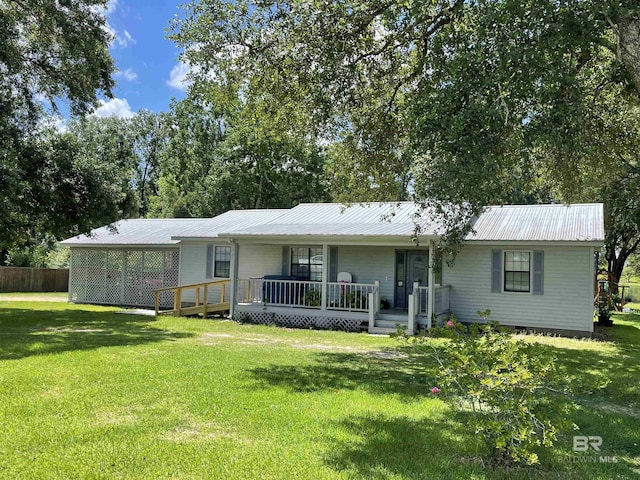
(115, 107)
(118, 39)
(125, 39)
(178, 76)
(111, 7)
(129, 75)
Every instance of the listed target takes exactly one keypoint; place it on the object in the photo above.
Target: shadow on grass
(384, 372)
(379, 446)
(618, 370)
(27, 332)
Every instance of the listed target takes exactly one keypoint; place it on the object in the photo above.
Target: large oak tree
(484, 101)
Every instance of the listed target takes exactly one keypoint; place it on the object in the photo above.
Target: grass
(86, 392)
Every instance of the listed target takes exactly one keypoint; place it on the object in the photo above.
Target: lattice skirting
(300, 321)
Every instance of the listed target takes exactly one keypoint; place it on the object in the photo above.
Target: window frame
(504, 272)
(309, 256)
(215, 261)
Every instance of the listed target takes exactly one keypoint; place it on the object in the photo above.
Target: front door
(410, 267)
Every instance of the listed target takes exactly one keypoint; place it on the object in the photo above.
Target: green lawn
(89, 393)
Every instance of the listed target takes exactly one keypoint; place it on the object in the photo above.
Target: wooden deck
(205, 295)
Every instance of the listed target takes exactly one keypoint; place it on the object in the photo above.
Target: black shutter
(209, 261)
(286, 260)
(538, 272)
(496, 271)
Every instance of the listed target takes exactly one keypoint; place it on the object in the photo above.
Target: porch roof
(376, 219)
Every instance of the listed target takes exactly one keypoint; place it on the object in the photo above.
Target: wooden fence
(19, 279)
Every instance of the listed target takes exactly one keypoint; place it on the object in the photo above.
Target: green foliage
(312, 298)
(469, 103)
(212, 163)
(353, 300)
(57, 53)
(517, 400)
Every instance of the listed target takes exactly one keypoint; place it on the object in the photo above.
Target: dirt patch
(209, 340)
(618, 409)
(198, 432)
(35, 297)
(115, 418)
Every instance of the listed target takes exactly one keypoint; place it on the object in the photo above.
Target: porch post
(233, 275)
(325, 276)
(431, 296)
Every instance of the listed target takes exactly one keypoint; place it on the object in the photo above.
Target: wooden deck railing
(203, 307)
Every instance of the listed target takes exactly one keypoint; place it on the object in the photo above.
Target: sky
(148, 73)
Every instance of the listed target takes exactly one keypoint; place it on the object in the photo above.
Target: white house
(331, 266)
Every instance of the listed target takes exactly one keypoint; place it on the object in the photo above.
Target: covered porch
(348, 287)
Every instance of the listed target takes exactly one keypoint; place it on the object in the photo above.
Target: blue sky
(148, 71)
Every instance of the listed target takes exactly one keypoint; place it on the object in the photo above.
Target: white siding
(193, 267)
(567, 302)
(255, 260)
(367, 264)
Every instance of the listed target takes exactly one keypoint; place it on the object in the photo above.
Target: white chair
(344, 277)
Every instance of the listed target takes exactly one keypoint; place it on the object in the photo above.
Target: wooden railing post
(222, 292)
(197, 296)
(179, 301)
(205, 301)
(157, 303)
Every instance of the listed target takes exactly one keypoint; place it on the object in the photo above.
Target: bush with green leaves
(511, 391)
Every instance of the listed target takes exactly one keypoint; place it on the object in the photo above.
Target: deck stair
(387, 323)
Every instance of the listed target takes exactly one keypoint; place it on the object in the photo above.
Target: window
(517, 271)
(306, 263)
(222, 265)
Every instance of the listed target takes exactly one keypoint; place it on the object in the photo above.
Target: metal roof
(140, 231)
(564, 223)
(337, 219)
(228, 222)
(573, 223)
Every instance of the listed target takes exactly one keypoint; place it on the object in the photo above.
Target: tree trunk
(616, 266)
(629, 46)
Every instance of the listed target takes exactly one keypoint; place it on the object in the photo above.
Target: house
(331, 266)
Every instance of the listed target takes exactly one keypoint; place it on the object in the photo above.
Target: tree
(488, 93)
(53, 51)
(150, 138)
(212, 164)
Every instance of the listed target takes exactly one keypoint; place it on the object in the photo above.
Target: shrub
(517, 400)
(311, 298)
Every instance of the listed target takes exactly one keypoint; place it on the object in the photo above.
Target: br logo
(582, 444)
